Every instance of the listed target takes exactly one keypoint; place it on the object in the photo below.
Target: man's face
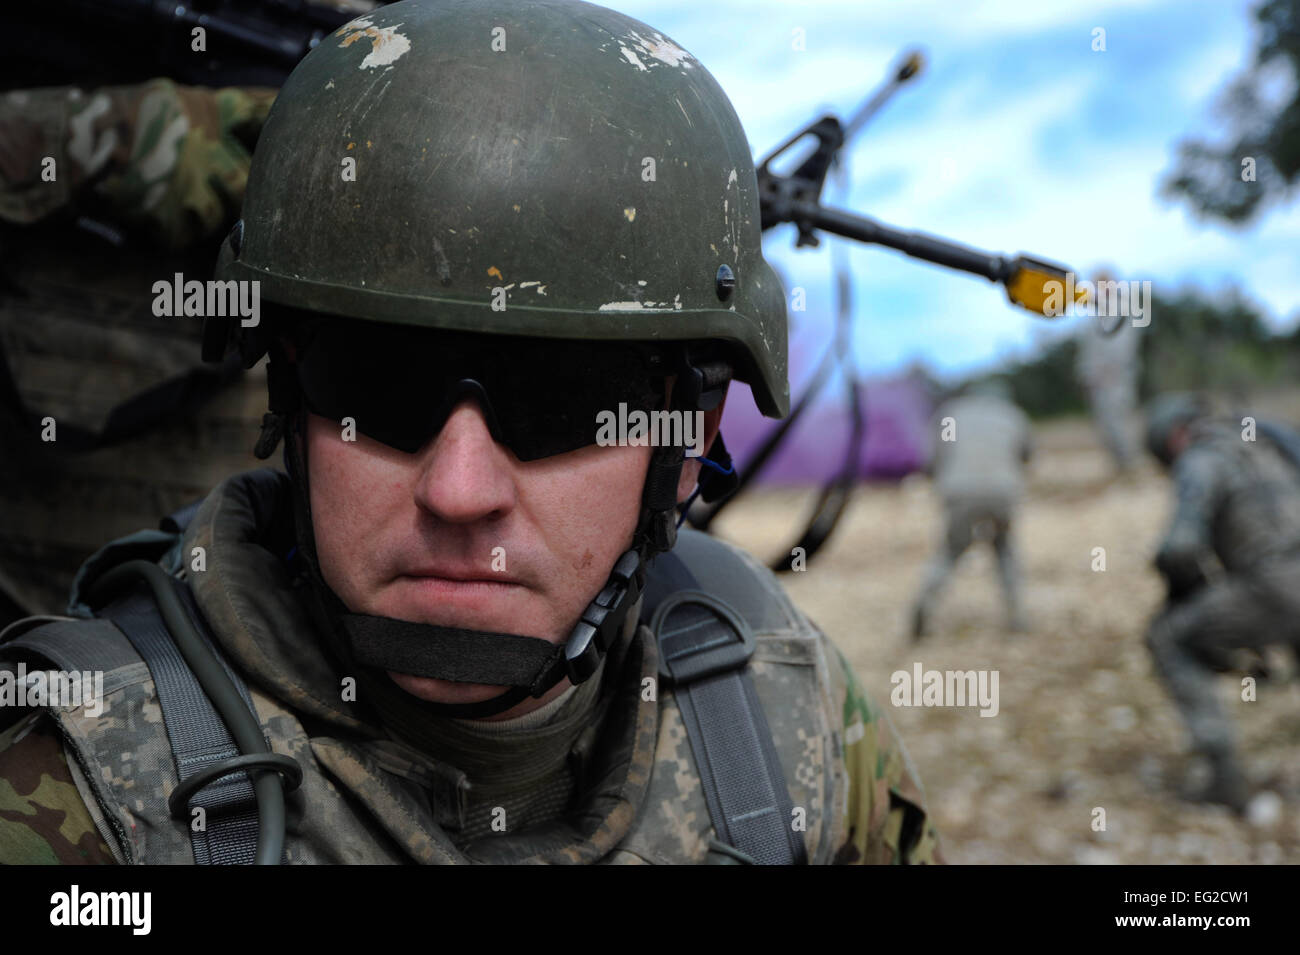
(416, 536)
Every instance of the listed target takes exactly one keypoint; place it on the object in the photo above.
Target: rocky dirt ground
(1082, 722)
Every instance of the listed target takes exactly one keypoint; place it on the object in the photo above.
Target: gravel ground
(1082, 723)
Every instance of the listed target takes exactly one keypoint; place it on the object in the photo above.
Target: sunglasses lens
(548, 396)
(544, 397)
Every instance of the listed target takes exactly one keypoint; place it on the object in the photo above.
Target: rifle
(796, 198)
(115, 42)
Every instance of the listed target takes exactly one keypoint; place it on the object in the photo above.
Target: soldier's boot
(1229, 786)
(920, 623)
(936, 575)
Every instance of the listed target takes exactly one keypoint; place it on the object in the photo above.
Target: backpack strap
(704, 651)
(195, 731)
(227, 834)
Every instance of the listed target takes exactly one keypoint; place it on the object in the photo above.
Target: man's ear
(691, 467)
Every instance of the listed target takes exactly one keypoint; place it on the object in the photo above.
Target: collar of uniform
(414, 799)
(508, 754)
(531, 720)
(250, 602)
(621, 758)
(490, 755)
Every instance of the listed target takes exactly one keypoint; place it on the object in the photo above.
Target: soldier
(465, 625)
(977, 464)
(1231, 559)
(1107, 368)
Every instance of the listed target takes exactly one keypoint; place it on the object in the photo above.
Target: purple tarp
(897, 410)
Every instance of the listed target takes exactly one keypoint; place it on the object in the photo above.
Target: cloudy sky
(1016, 137)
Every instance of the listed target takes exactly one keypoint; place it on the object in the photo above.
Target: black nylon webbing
(704, 652)
(449, 653)
(197, 734)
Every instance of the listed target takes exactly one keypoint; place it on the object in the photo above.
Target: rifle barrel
(918, 245)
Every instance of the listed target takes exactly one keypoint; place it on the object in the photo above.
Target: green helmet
(1166, 413)
(543, 168)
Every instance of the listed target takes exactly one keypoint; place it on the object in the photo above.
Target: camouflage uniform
(1108, 369)
(621, 786)
(102, 193)
(979, 477)
(1237, 501)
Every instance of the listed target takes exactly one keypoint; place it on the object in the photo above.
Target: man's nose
(464, 474)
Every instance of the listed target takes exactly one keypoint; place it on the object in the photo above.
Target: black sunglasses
(540, 397)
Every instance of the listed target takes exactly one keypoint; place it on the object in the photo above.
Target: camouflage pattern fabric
(1232, 555)
(369, 798)
(43, 819)
(165, 161)
(102, 193)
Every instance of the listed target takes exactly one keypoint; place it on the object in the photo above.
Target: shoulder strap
(225, 833)
(704, 651)
(195, 731)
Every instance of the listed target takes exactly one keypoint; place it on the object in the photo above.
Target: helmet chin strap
(529, 666)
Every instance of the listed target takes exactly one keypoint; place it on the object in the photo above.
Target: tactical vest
(365, 798)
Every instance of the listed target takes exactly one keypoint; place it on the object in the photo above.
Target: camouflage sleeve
(888, 822)
(1198, 487)
(43, 820)
(167, 160)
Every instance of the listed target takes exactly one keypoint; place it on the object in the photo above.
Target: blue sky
(1016, 137)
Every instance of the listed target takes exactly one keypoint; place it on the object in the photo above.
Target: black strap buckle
(701, 384)
(691, 645)
(596, 631)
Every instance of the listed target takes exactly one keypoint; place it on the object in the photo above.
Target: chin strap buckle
(601, 622)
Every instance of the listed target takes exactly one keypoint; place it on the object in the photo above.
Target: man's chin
(433, 690)
(447, 691)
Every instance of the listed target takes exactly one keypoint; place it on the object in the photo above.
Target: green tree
(1196, 341)
(1259, 156)
(1217, 343)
